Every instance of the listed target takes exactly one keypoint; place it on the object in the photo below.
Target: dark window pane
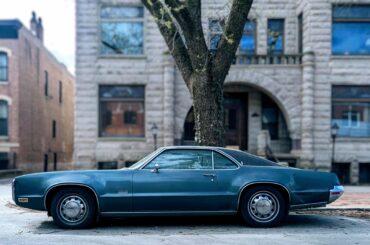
(270, 117)
(4, 160)
(60, 92)
(350, 92)
(275, 39)
(46, 85)
(3, 66)
(351, 11)
(54, 129)
(119, 92)
(120, 12)
(3, 118)
(183, 159)
(351, 38)
(222, 162)
(130, 117)
(122, 38)
(300, 33)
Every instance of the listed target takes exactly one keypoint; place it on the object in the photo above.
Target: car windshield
(143, 160)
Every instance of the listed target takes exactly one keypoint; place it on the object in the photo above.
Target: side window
(222, 162)
(183, 159)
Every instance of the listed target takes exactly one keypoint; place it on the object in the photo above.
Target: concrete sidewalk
(354, 197)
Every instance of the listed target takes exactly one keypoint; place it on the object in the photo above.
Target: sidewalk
(354, 197)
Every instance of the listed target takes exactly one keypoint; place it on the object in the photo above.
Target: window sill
(4, 137)
(120, 139)
(347, 57)
(348, 139)
(138, 57)
(4, 82)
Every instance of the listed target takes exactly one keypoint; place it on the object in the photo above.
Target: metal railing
(280, 59)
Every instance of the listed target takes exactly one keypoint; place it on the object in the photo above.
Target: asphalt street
(22, 226)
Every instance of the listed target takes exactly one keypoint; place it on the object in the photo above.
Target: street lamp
(154, 131)
(334, 133)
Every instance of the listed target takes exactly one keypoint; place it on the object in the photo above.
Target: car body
(178, 180)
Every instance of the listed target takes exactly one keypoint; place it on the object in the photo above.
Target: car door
(226, 178)
(176, 180)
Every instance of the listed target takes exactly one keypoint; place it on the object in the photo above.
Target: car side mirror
(156, 168)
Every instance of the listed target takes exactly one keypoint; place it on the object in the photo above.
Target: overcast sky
(58, 19)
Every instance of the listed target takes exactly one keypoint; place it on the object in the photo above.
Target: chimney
(33, 23)
(40, 30)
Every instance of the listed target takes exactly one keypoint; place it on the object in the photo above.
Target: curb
(337, 209)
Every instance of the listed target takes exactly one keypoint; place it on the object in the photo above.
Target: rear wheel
(263, 206)
(73, 208)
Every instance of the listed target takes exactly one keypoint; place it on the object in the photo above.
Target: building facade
(36, 101)
(300, 82)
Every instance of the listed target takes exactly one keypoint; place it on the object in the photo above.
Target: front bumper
(335, 193)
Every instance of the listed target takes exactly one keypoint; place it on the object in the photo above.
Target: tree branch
(172, 37)
(229, 42)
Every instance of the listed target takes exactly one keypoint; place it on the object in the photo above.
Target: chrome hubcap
(263, 206)
(73, 209)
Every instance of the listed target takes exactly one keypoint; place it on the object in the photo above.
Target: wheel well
(278, 187)
(54, 190)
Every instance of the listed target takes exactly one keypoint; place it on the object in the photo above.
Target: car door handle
(209, 175)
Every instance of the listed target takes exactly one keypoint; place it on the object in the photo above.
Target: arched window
(3, 118)
(3, 66)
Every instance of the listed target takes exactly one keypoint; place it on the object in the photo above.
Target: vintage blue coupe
(179, 181)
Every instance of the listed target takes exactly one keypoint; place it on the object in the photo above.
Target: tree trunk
(208, 110)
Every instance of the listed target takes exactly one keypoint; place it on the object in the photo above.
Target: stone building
(36, 101)
(303, 66)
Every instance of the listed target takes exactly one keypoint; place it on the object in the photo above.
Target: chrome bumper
(335, 193)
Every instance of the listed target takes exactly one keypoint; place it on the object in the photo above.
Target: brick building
(301, 73)
(36, 101)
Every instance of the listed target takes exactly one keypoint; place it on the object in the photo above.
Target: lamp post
(154, 131)
(334, 133)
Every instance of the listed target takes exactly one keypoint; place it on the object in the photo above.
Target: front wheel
(263, 206)
(73, 208)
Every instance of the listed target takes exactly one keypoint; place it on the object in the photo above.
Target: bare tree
(204, 72)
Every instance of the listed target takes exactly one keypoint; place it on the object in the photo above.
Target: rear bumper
(335, 193)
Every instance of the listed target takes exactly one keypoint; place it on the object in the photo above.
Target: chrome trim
(70, 184)
(335, 193)
(262, 182)
(168, 212)
(308, 205)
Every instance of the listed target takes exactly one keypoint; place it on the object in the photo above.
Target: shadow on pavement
(195, 225)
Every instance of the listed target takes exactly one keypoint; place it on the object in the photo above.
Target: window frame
(348, 103)
(144, 166)
(46, 83)
(99, 100)
(255, 36)
(6, 104)
(54, 129)
(6, 67)
(283, 40)
(346, 20)
(121, 20)
(212, 33)
(60, 92)
(300, 30)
